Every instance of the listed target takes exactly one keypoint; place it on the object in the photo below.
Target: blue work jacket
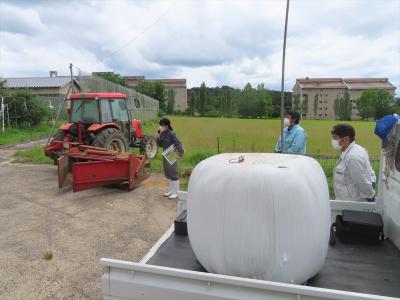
(295, 140)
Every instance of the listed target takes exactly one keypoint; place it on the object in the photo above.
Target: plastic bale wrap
(267, 217)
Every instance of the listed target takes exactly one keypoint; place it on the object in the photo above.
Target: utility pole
(72, 78)
(8, 115)
(283, 78)
(2, 112)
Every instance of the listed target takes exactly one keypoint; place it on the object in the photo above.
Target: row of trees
(226, 101)
(373, 104)
(157, 90)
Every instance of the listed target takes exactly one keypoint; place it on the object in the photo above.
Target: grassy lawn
(34, 156)
(199, 138)
(18, 135)
(252, 135)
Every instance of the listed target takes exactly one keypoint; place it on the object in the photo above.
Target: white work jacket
(353, 176)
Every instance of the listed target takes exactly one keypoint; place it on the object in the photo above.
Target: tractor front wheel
(112, 140)
(148, 146)
(59, 136)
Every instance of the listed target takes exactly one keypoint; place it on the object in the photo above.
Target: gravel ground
(77, 228)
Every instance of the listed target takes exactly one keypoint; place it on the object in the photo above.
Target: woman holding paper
(173, 149)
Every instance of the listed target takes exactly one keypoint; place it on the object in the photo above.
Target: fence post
(217, 144)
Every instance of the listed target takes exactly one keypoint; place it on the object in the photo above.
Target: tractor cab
(98, 110)
(101, 120)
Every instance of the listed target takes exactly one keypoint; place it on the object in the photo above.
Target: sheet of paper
(170, 154)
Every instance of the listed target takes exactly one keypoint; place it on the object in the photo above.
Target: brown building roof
(321, 83)
(368, 83)
(171, 82)
(345, 83)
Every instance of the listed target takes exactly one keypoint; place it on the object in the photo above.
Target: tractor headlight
(66, 145)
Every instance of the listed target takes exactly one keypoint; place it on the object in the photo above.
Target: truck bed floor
(355, 268)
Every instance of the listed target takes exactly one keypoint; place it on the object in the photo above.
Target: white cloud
(219, 42)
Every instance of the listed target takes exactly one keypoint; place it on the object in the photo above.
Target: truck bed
(354, 268)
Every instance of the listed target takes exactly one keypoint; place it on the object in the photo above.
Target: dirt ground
(78, 229)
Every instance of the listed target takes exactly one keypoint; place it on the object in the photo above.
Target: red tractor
(101, 120)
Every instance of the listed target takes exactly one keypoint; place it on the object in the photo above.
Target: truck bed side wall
(390, 194)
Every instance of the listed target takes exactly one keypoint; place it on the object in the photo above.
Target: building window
(320, 108)
(326, 108)
(320, 101)
(320, 115)
(326, 95)
(326, 115)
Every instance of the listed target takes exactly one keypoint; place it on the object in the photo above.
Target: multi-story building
(323, 91)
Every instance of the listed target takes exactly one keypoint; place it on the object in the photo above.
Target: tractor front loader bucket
(95, 167)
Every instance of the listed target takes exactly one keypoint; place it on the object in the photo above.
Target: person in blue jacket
(294, 136)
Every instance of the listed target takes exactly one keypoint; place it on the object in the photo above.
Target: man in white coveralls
(353, 177)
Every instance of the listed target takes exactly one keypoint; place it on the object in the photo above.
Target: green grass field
(199, 138)
(252, 135)
(18, 135)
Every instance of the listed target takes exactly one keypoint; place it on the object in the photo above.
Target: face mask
(286, 122)
(161, 128)
(335, 144)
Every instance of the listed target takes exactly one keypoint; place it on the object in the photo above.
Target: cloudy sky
(218, 42)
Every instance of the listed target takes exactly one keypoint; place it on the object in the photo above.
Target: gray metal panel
(127, 280)
(148, 108)
(37, 82)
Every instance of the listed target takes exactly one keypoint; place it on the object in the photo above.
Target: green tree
(111, 76)
(336, 107)
(342, 107)
(296, 102)
(385, 104)
(315, 105)
(375, 104)
(254, 103)
(304, 105)
(25, 108)
(159, 93)
(192, 104)
(264, 100)
(145, 87)
(202, 99)
(226, 103)
(155, 90)
(170, 101)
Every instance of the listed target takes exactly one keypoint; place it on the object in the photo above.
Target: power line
(139, 35)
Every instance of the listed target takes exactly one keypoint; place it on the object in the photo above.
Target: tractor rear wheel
(148, 146)
(112, 140)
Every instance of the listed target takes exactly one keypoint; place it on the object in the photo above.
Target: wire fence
(328, 163)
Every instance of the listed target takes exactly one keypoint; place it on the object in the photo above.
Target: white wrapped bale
(267, 217)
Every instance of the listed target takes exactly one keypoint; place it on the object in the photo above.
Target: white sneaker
(173, 196)
(167, 194)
